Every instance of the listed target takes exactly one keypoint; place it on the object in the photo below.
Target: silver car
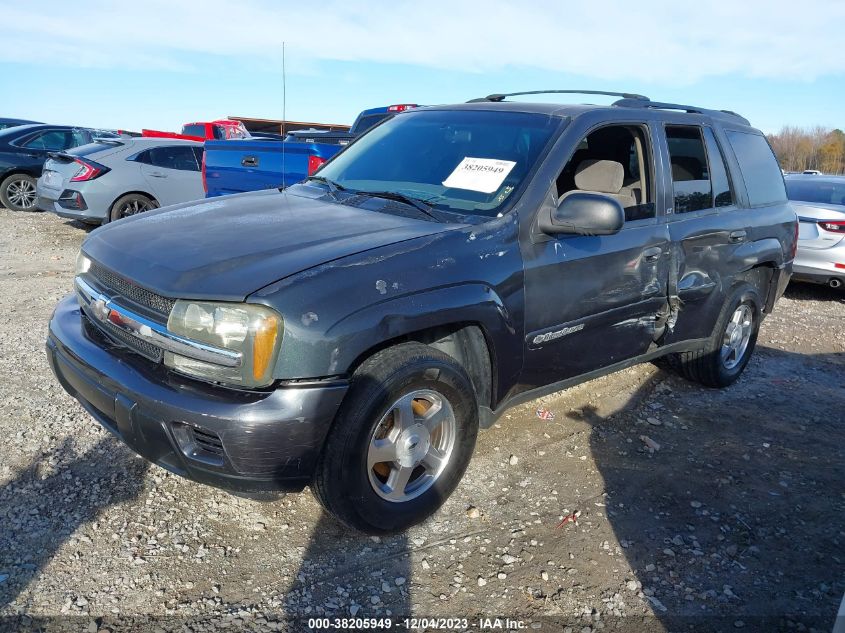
(112, 178)
(819, 202)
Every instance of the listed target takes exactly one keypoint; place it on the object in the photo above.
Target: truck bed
(236, 166)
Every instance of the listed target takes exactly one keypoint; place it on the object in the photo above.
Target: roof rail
(658, 105)
(502, 96)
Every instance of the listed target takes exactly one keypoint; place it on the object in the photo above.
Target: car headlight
(254, 331)
(82, 263)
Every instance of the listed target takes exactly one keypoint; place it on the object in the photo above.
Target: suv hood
(227, 248)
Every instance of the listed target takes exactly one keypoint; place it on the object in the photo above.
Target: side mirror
(584, 213)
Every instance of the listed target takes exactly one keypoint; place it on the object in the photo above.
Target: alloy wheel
(133, 207)
(22, 194)
(737, 336)
(411, 445)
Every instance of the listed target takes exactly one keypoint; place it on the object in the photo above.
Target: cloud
(651, 41)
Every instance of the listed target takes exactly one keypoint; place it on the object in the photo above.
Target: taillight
(204, 181)
(795, 240)
(88, 170)
(401, 107)
(314, 163)
(837, 226)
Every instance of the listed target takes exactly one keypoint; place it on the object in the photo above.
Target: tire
(17, 193)
(724, 357)
(360, 491)
(131, 204)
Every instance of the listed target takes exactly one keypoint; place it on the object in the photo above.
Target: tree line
(817, 147)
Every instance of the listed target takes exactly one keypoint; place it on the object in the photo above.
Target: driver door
(594, 301)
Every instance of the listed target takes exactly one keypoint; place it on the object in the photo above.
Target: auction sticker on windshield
(479, 174)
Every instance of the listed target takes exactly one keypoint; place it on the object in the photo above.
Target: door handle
(157, 174)
(737, 236)
(249, 161)
(652, 254)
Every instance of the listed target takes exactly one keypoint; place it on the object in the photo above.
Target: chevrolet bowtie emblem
(100, 310)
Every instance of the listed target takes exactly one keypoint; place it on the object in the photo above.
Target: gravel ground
(735, 521)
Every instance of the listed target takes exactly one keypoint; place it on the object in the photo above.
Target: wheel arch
(466, 342)
(469, 322)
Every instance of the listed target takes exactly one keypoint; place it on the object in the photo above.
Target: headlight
(82, 263)
(252, 330)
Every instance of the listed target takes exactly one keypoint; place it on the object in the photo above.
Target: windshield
(467, 161)
(815, 190)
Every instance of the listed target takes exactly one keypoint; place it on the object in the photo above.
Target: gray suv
(353, 332)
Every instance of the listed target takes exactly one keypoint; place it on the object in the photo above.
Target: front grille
(208, 441)
(116, 285)
(147, 350)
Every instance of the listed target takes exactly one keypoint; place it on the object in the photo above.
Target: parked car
(221, 129)
(820, 204)
(7, 123)
(23, 150)
(110, 179)
(258, 163)
(353, 332)
(363, 122)
(811, 172)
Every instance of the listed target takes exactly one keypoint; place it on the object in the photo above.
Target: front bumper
(248, 442)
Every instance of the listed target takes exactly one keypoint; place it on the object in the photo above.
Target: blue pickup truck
(236, 166)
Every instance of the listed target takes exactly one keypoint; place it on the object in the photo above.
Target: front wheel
(17, 193)
(401, 441)
(729, 349)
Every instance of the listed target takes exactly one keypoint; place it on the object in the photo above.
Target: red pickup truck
(222, 129)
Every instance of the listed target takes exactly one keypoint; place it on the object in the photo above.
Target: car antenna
(284, 117)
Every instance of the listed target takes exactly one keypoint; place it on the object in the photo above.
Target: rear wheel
(131, 204)
(17, 193)
(730, 347)
(401, 441)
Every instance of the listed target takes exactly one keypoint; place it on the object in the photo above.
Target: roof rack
(658, 105)
(501, 97)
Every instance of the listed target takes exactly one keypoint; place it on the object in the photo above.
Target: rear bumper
(245, 442)
(819, 264)
(49, 200)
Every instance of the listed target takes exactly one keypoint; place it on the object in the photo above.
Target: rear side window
(55, 140)
(760, 171)
(174, 157)
(690, 172)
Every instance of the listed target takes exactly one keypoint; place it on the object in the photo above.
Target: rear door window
(760, 171)
(174, 157)
(690, 172)
(722, 195)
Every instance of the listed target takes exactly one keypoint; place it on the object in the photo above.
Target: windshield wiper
(419, 205)
(332, 185)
